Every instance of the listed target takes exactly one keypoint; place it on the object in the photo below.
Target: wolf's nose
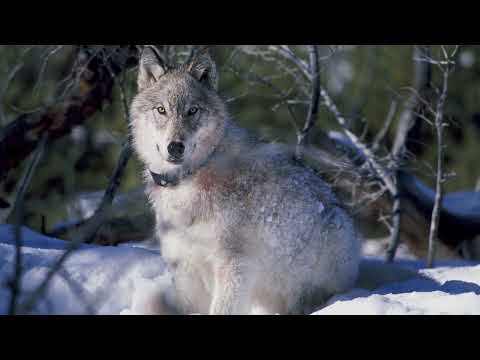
(176, 149)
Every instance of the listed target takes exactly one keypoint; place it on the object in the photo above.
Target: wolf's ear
(151, 68)
(204, 69)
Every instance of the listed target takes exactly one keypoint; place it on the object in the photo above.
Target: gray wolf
(243, 227)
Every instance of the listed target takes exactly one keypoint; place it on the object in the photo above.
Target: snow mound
(451, 289)
(128, 280)
(99, 280)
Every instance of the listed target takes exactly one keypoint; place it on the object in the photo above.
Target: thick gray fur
(247, 230)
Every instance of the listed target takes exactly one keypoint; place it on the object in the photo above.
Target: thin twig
(396, 222)
(423, 76)
(439, 125)
(18, 213)
(380, 171)
(382, 134)
(409, 117)
(79, 292)
(315, 101)
(5, 86)
(44, 65)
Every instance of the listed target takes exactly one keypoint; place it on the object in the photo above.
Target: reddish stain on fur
(212, 180)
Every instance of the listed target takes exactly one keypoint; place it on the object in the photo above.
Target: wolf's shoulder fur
(244, 227)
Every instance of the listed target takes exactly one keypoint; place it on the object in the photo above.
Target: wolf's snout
(176, 150)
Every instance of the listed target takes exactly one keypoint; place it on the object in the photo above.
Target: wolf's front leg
(232, 289)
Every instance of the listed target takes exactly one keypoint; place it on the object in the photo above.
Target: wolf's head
(178, 118)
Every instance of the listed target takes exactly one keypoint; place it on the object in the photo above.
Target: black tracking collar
(165, 180)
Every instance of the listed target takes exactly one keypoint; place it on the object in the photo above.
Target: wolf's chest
(183, 205)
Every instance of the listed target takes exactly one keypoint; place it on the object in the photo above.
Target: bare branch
(18, 211)
(315, 101)
(395, 229)
(423, 76)
(439, 126)
(44, 65)
(5, 86)
(378, 168)
(408, 119)
(382, 134)
(287, 53)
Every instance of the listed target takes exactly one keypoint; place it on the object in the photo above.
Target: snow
(84, 204)
(113, 280)
(377, 247)
(126, 280)
(451, 289)
(464, 204)
(467, 59)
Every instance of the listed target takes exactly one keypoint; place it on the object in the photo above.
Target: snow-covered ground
(103, 280)
(124, 280)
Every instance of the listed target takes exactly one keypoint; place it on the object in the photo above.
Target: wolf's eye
(161, 110)
(193, 111)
